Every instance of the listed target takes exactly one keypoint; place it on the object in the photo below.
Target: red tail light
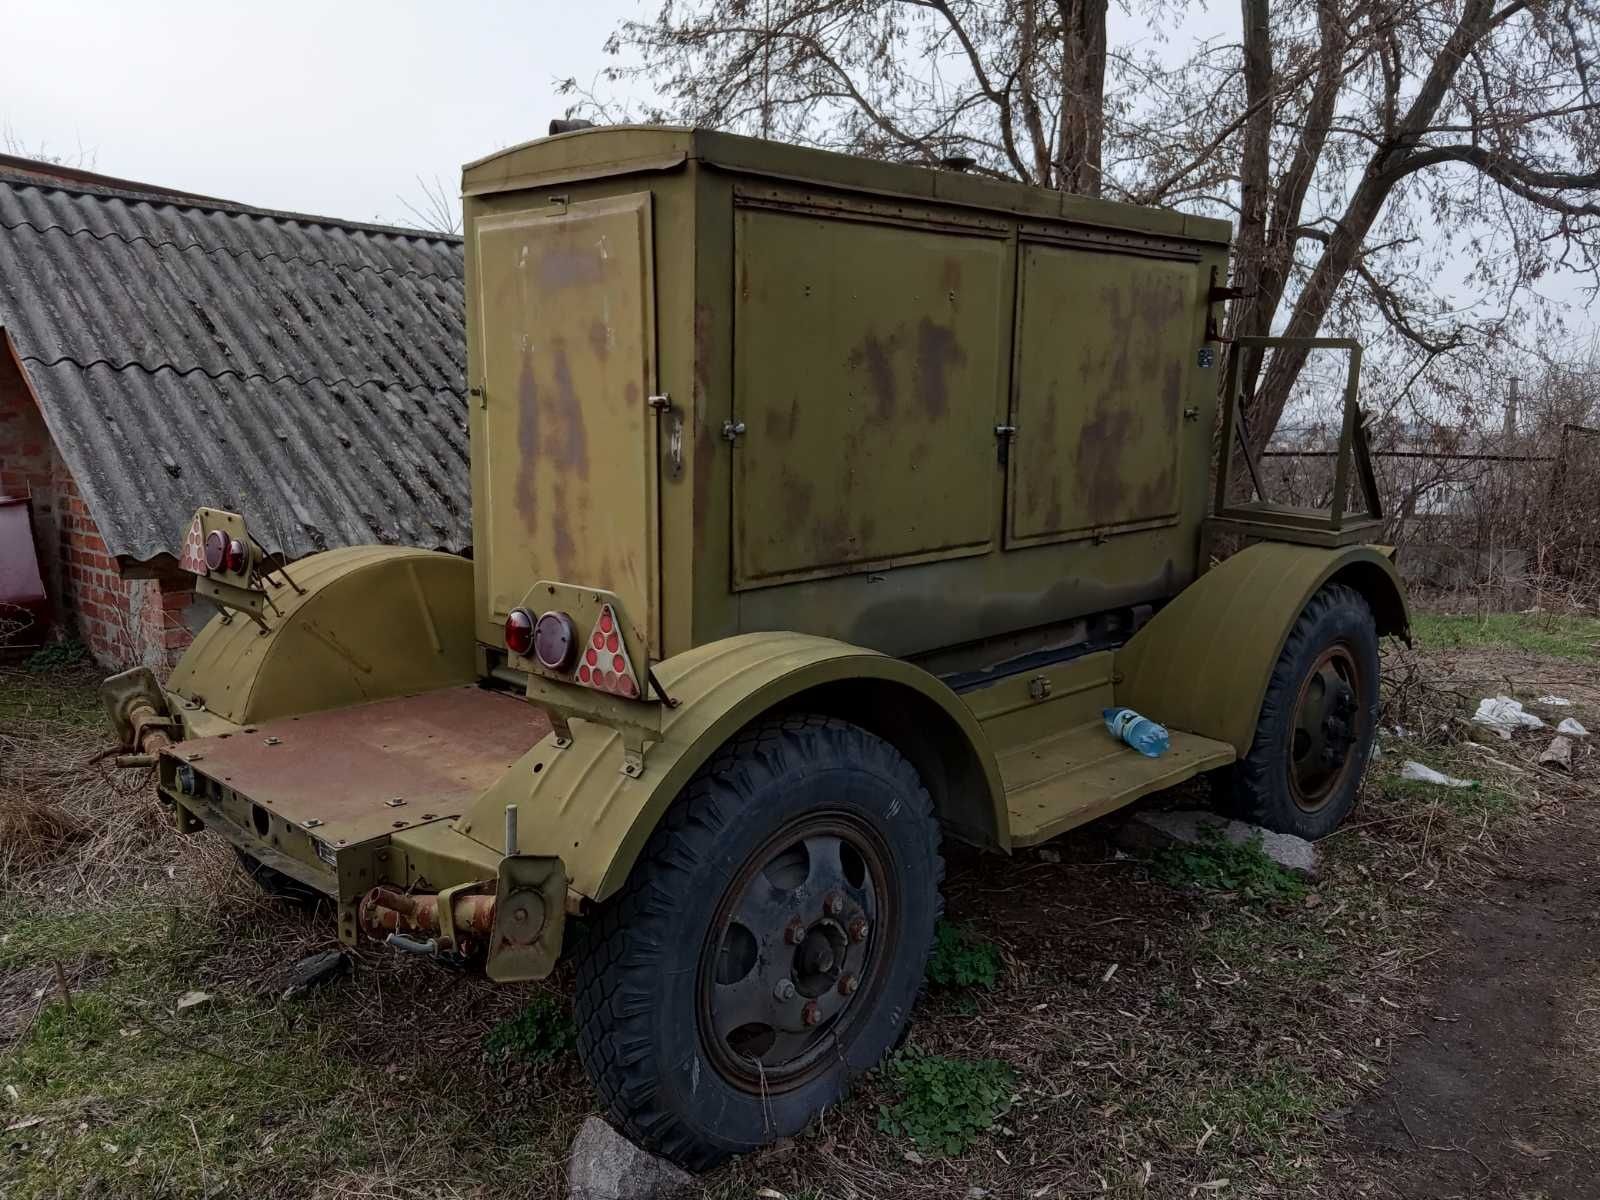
(216, 550)
(238, 557)
(519, 631)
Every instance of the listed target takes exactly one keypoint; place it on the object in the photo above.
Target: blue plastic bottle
(1143, 734)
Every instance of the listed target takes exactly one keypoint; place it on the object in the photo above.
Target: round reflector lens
(216, 550)
(555, 641)
(519, 631)
(238, 557)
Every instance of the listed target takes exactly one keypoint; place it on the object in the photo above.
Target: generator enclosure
(750, 387)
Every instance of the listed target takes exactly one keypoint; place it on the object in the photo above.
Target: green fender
(575, 802)
(359, 623)
(1202, 663)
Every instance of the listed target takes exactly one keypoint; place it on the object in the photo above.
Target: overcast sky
(327, 108)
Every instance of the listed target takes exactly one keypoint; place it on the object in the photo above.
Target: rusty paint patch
(528, 441)
(875, 356)
(937, 353)
(564, 265)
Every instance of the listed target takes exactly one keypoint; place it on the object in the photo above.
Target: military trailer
(820, 507)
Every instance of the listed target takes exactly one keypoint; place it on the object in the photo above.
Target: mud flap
(530, 912)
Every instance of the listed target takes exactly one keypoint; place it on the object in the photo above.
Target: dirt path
(1494, 1093)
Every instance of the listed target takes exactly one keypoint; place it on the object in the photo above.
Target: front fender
(1202, 663)
(575, 802)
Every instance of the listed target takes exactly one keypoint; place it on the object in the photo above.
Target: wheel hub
(794, 953)
(1327, 726)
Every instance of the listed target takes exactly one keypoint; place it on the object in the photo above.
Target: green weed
(1538, 633)
(962, 958)
(541, 1032)
(1217, 864)
(944, 1104)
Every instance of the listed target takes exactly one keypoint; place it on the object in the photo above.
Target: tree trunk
(1083, 87)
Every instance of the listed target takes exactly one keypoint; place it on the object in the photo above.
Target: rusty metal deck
(346, 769)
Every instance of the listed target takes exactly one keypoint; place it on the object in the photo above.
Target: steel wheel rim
(1326, 727)
(824, 919)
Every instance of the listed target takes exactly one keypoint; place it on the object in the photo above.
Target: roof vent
(958, 162)
(571, 125)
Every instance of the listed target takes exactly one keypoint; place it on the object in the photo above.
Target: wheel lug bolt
(833, 905)
(811, 1014)
(784, 990)
(848, 985)
(858, 929)
(794, 933)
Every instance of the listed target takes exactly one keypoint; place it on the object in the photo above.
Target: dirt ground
(1492, 1091)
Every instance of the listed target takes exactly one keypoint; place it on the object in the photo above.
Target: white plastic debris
(193, 1000)
(1572, 727)
(1418, 773)
(1503, 714)
(1554, 701)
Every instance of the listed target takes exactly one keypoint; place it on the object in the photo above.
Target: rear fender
(577, 803)
(353, 625)
(1202, 663)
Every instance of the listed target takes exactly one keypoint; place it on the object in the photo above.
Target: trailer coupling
(516, 932)
(137, 709)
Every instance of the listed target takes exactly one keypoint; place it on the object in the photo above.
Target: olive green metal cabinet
(757, 387)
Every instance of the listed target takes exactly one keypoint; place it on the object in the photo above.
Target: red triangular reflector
(604, 663)
(193, 555)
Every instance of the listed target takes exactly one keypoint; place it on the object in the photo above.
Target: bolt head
(794, 933)
(834, 904)
(520, 913)
(848, 984)
(811, 1014)
(784, 990)
(859, 929)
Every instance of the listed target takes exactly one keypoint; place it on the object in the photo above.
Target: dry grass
(1165, 1040)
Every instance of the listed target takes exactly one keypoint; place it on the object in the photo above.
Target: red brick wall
(123, 622)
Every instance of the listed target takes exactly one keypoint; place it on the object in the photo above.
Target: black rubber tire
(275, 883)
(1257, 788)
(638, 971)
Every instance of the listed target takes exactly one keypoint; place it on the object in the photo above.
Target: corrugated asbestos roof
(307, 373)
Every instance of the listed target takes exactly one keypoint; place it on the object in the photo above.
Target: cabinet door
(1103, 352)
(868, 377)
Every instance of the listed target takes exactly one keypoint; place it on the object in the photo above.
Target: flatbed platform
(351, 773)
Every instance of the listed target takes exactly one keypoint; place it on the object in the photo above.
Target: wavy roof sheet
(305, 372)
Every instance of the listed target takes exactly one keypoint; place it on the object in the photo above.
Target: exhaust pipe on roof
(569, 125)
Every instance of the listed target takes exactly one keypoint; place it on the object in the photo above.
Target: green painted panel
(868, 375)
(1104, 350)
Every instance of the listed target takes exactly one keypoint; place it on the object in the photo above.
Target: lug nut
(833, 905)
(794, 933)
(811, 1014)
(859, 929)
(784, 991)
(848, 984)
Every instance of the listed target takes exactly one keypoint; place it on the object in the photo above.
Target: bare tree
(1017, 87)
(1383, 144)
(434, 209)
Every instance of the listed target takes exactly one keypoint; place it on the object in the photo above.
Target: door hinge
(478, 394)
(732, 431)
